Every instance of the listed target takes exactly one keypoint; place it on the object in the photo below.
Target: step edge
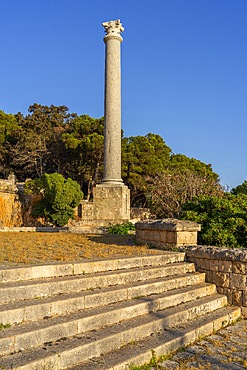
(11, 274)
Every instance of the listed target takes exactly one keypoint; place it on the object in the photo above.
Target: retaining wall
(226, 268)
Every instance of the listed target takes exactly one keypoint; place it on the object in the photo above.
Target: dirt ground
(29, 248)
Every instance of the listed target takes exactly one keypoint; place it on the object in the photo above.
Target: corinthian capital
(113, 28)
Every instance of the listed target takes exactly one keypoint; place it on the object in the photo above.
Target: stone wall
(139, 214)
(10, 206)
(226, 268)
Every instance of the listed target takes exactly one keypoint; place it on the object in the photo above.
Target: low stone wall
(169, 232)
(226, 268)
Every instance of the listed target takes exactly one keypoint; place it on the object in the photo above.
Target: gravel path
(226, 350)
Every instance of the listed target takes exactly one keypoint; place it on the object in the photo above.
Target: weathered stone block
(214, 265)
(111, 202)
(186, 237)
(210, 277)
(205, 264)
(199, 252)
(171, 237)
(239, 267)
(238, 281)
(163, 236)
(10, 207)
(225, 266)
(202, 264)
(221, 279)
(171, 231)
(220, 290)
(245, 298)
(244, 312)
(237, 297)
(228, 293)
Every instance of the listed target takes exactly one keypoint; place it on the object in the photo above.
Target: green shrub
(59, 197)
(223, 219)
(121, 228)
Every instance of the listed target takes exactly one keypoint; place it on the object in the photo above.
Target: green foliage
(121, 228)
(240, 189)
(152, 364)
(84, 144)
(8, 128)
(223, 219)
(142, 158)
(49, 139)
(59, 197)
(4, 326)
(38, 143)
(182, 162)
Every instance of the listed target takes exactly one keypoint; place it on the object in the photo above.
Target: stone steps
(163, 342)
(19, 337)
(39, 307)
(75, 315)
(40, 288)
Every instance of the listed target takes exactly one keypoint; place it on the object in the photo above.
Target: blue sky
(184, 69)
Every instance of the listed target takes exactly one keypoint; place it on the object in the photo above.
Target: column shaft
(112, 106)
(112, 148)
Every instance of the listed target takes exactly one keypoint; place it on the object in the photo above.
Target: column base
(111, 202)
(111, 182)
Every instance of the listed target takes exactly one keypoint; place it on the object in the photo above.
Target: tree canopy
(50, 139)
(142, 158)
(240, 189)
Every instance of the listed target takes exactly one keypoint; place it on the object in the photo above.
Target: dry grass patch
(34, 247)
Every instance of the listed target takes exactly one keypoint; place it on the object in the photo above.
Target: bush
(121, 228)
(59, 197)
(223, 219)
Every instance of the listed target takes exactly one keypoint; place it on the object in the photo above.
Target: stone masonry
(226, 268)
(167, 233)
(10, 206)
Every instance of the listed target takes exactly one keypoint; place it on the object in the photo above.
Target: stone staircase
(105, 314)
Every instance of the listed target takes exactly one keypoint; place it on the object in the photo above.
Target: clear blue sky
(184, 69)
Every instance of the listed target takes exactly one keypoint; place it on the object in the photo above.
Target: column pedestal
(112, 203)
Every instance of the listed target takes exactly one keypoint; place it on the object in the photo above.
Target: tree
(182, 179)
(172, 188)
(142, 158)
(240, 189)
(38, 142)
(182, 162)
(59, 197)
(8, 127)
(223, 219)
(84, 143)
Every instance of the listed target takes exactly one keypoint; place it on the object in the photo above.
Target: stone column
(112, 114)
(111, 197)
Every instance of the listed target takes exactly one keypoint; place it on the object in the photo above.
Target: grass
(153, 363)
(4, 326)
(31, 247)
